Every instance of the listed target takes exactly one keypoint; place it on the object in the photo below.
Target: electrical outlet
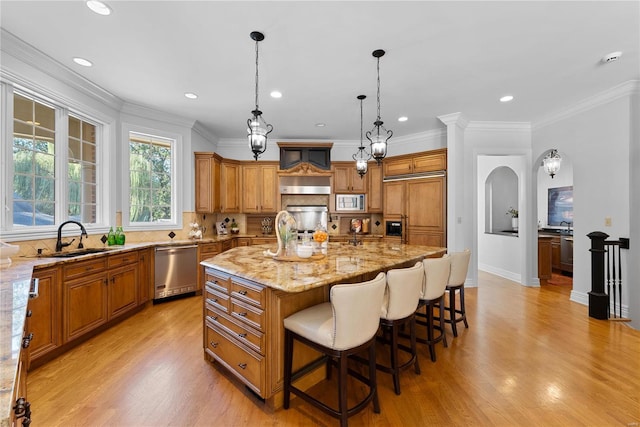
(607, 221)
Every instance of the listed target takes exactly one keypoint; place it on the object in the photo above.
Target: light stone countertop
(342, 263)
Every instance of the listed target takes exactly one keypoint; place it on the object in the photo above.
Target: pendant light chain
(361, 129)
(378, 68)
(257, 75)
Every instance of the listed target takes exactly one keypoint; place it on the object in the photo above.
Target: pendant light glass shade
(257, 127)
(378, 136)
(551, 162)
(361, 157)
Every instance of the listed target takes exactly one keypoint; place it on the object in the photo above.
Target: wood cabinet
(428, 161)
(420, 204)
(45, 320)
(374, 188)
(207, 182)
(260, 187)
(96, 291)
(21, 407)
(346, 179)
(555, 253)
(145, 275)
(229, 187)
(544, 258)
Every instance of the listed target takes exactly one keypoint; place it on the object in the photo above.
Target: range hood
(305, 185)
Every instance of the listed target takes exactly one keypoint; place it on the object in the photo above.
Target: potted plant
(234, 227)
(514, 217)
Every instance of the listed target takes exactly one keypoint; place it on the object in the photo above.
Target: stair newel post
(598, 299)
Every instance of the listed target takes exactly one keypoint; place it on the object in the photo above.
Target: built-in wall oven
(176, 270)
(394, 228)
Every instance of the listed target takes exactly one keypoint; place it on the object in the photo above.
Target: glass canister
(321, 239)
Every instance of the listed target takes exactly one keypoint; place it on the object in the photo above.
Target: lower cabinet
(21, 407)
(45, 321)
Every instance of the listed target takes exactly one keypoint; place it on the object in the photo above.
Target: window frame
(176, 142)
(62, 113)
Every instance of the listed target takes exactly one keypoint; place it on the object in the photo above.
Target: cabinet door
(145, 279)
(425, 204)
(419, 237)
(397, 167)
(251, 188)
(204, 182)
(374, 188)
(555, 253)
(394, 198)
(122, 290)
(430, 163)
(229, 187)
(341, 181)
(45, 321)
(85, 305)
(269, 187)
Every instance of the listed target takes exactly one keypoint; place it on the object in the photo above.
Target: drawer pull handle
(215, 300)
(242, 335)
(88, 268)
(214, 344)
(243, 314)
(243, 293)
(242, 365)
(29, 313)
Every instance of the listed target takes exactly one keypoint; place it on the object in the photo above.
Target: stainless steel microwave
(350, 202)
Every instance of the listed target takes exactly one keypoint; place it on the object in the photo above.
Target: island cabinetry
(207, 182)
(21, 412)
(428, 161)
(206, 250)
(234, 333)
(346, 179)
(229, 187)
(45, 321)
(420, 205)
(260, 187)
(374, 188)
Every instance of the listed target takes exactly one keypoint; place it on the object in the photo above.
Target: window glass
(151, 166)
(81, 171)
(34, 152)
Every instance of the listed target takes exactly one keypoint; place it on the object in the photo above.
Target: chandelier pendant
(379, 135)
(551, 162)
(257, 127)
(362, 156)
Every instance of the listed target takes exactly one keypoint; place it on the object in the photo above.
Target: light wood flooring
(529, 358)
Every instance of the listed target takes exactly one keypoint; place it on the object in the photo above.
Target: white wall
(563, 178)
(598, 142)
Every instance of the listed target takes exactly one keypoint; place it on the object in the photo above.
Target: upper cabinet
(207, 182)
(374, 188)
(260, 187)
(431, 161)
(346, 179)
(229, 186)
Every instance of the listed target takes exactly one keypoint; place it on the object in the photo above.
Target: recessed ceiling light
(83, 62)
(99, 7)
(506, 98)
(403, 119)
(276, 94)
(613, 56)
(320, 125)
(190, 95)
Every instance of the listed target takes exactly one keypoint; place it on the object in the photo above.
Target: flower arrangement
(513, 212)
(234, 227)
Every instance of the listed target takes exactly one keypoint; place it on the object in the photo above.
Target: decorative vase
(514, 223)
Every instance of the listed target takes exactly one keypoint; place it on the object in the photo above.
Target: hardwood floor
(529, 358)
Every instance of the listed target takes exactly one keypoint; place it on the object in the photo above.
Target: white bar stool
(340, 328)
(459, 267)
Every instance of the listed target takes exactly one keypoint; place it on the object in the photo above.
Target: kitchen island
(246, 296)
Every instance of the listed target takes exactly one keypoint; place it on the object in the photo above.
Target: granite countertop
(341, 263)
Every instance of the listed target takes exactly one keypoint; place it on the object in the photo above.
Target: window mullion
(62, 162)
(6, 187)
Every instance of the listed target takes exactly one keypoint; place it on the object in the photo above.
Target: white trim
(149, 113)
(481, 126)
(609, 95)
(510, 275)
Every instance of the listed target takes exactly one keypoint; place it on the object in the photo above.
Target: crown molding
(204, 132)
(624, 89)
(481, 126)
(27, 54)
(454, 118)
(145, 112)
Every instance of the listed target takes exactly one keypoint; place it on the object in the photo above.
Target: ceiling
(441, 58)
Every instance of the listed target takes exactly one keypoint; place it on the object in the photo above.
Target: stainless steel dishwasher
(176, 270)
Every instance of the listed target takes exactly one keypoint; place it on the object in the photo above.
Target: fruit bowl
(304, 251)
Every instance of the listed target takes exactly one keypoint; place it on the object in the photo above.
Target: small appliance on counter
(221, 227)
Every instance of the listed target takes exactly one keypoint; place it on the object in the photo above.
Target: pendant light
(362, 156)
(551, 162)
(257, 127)
(378, 135)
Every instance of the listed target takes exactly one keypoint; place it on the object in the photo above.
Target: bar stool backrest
(356, 312)
(402, 293)
(436, 272)
(459, 267)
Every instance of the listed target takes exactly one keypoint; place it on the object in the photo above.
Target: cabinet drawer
(217, 299)
(248, 314)
(122, 259)
(207, 250)
(218, 281)
(226, 245)
(245, 364)
(82, 268)
(238, 331)
(248, 292)
(430, 163)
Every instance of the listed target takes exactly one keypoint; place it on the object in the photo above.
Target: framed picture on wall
(560, 205)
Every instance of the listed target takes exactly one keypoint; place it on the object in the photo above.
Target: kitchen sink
(77, 252)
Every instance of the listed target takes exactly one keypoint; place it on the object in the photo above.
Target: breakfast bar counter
(246, 296)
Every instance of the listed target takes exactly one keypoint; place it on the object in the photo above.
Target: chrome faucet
(60, 245)
(355, 241)
(568, 225)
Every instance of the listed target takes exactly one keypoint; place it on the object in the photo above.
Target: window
(53, 175)
(151, 165)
